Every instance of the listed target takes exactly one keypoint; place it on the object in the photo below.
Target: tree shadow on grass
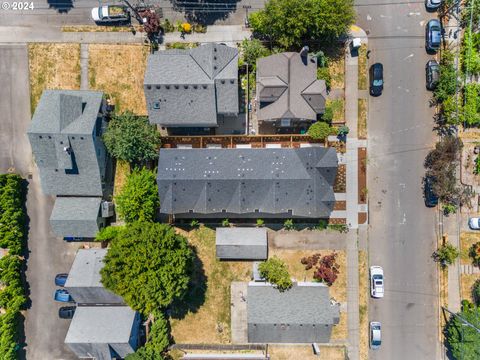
(195, 296)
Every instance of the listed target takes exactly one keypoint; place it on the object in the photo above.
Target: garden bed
(336, 69)
(467, 239)
(362, 118)
(362, 67)
(340, 185)
(362, 176)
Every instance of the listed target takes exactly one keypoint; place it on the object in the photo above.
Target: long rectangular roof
(241, 181)
(85, 270)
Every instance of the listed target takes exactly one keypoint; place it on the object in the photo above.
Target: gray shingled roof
(304, 303)
(101, 325)
(69, 154)
(241, 243)
(190, 87)
(253, 182)
(85, 270)
(288, 88)
(76, 216)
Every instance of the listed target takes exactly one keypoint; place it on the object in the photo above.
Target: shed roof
(76, 208)
(101, 325)
(241, 236)
(85, 270)
(304, 303)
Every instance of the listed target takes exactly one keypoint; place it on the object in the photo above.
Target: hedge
(12, 237)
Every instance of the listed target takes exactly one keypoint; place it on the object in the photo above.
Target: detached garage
(241, 243)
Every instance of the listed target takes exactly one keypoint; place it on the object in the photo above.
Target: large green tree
(131, 138)
(149, 265)
(464, 341)
(291, 23)
(252, 50)
(138, 200)
(275, 271)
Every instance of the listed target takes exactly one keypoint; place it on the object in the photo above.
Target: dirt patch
(466, 283)
(362, 67)
(362, 176)
(118, 70)
(340, 185)
(305, 352)
(362, 217)
(210, 323)
(467, 239)
(364, 294)
(338, 109)
(53, 66)
(362, 118)
(340, 205)
(122, 170)
(336, 69)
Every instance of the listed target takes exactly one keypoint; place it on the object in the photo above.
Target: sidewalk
(452, 230)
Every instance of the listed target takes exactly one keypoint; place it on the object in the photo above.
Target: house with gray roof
(84, 279)
(247, 183)
(302, 314)
(65, 135)
(103, 332)
(288, 91)
(194, 88)
(241, 243)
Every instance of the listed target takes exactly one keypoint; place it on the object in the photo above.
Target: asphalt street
(47, 256)
(402, 229)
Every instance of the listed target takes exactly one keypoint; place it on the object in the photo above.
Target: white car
(433, 4)
(376, 281)
(474, 223)
(375, 335)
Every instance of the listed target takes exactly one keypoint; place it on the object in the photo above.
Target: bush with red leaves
(310, 261)
(326, 269)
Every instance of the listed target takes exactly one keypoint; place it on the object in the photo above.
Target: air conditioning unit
(107, 209)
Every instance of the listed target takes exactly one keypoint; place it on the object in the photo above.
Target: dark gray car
(433, 36)
(432, 74)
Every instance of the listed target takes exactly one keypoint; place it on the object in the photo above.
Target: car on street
(376, 79)
(474, 223)
(433, 5)
(66, 312)
(111, 14)
(433, 36)
(432, 74)
(375, 335)
(376, 282)
(62, 295)
(61, 279)
(431, 199)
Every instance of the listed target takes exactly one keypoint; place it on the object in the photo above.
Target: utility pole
(246, 7)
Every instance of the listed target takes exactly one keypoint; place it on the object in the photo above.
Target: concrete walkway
(451, 226)
(84, 67)
(238, 312)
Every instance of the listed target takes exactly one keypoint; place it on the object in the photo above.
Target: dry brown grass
(362, 67)
(96, 28)
(297, 271)
(336, 68)
(467, 239)
(118, 70)
(122, 170)
(201, 326)
(363, 290)
(340, 331)
(362, 118)
(53, 66)
(466, 283)
(305, 352)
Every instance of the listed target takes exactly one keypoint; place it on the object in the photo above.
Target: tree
(138, 200)
(447, 83)
(476, 292)
(446, 254)
(475, 254)
(149, 265)
(464, 341)
(251, 51)
(131, 138)
(319, 130)
(275, 271)
(292, 23)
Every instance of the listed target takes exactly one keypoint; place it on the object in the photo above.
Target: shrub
(449, 209)
(194, 224)
(310, 261)
(157, 342)
(322, 224)
(289, 225)
(327, 116)
(168, 26)
(327, 270)
(251, 51)
(476, 171)
(343, 130)
(275, 271)
(225, 223)
(476, 292)
(109, 233)
(475, 253)
(319, 130)
(343, 228)
(324, 74)
(260, 222)
(446, 254)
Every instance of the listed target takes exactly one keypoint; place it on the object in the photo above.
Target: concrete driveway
(47, 256)
(402, 229)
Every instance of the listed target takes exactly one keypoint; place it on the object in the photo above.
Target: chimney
(304, 54)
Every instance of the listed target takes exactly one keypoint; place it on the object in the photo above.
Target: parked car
(376, 79)
(433, 35)
(61, 279)
(433, 5)
(375, 335)
(431, 199)
(376, 282)
(111, 14)
(474, 223)
(432, 74)
(66, 312)
(62, 295)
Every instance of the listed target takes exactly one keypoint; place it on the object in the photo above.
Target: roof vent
(177, 87)
(167, 87)
(149, 87)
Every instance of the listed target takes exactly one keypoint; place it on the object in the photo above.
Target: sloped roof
(287, 87)
(244, 181)
(85, 270)
(304, 303)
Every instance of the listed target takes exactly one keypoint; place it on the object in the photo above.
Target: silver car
(375, 335)
(433, 4)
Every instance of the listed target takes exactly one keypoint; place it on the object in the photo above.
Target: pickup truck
(111, 14)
